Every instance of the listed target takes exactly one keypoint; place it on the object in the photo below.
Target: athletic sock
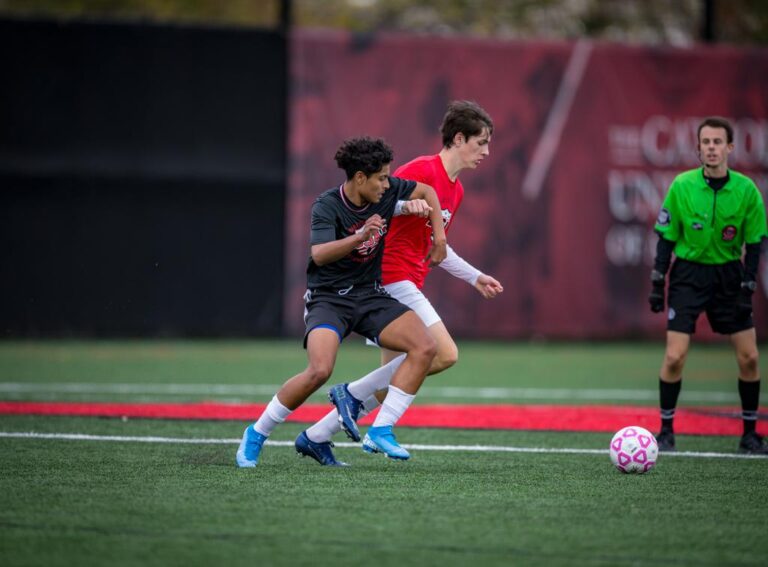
(274, 414)
(668, 393)
(379, 379)
(394, 407)
(749, 392)
(328, 426)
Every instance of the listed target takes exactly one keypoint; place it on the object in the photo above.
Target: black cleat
(753, 444)
(666, 441)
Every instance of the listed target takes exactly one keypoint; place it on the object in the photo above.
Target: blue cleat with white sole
(349, 410)
(321, 452)
(250, 447)
(382, 440)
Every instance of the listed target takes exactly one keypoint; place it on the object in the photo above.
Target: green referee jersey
(708, 226)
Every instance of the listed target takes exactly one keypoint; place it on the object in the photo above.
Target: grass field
(164, 492)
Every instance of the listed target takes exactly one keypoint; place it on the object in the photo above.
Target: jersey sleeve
(668, 222)
(402, 187)
(754, 222)
(323, 226)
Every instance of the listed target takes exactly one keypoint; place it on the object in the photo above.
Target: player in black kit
(344, 294)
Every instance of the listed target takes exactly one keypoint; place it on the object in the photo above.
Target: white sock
(328, 426)
(394, 407)
(363, 388)
(273, 415)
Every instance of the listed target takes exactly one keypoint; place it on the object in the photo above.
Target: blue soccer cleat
(321, 452)
(250, 447)
(382, 440)
(349, 410)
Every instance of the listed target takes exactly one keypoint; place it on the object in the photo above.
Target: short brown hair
(716, 122)
(464, 117)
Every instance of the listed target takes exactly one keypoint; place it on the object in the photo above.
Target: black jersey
(334, 217)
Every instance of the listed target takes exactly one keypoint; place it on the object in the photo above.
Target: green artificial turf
(96, 501)
(84, 502)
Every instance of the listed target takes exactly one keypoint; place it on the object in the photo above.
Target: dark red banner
(587, 139)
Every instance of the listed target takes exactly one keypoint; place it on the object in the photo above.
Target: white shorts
(406, 292)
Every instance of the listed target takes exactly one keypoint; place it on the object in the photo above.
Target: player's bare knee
(318, 374)
(445, 358)
(748, 360)
(425, 350)
(674, 361)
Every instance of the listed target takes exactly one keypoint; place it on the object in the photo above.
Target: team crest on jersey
(730, 232)
(447, 216)
(664, 217)
(365, 249)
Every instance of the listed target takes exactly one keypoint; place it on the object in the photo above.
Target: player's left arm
(488, 286)
(438, 251)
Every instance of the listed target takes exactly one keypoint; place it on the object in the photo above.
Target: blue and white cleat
(250, 447)
(382, 440)
(349, 409)
(321, 452)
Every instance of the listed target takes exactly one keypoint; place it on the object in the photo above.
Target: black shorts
(715, 289)
(365, 310)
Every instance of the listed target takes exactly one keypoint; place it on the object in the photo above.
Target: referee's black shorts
(715, 289)
(366, 310)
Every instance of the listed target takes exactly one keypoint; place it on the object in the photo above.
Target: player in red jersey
(466, 135)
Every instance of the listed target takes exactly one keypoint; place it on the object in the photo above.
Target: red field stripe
(702, 421)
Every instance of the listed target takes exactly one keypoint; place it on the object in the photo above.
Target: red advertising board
(587, 139)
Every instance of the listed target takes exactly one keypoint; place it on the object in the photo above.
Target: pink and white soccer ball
(634, 450)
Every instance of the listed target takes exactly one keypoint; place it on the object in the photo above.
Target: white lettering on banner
(635, 195)
(668, 143)
(630, 245)
(672, 143)
(750, 144)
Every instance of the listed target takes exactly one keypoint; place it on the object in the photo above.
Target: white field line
(234, 441)
(447, 392)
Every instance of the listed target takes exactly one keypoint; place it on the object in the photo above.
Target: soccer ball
(634, 450)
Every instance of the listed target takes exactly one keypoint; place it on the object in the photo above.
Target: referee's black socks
(749, 392)
(668, 393)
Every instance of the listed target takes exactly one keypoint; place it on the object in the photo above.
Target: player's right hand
(373, 224)
(487, 286)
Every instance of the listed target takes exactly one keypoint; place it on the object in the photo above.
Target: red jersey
(409, 239)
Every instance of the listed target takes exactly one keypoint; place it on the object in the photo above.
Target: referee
(709, 216)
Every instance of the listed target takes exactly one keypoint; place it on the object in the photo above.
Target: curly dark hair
(363, 154)
(717, 122)
(464, 117)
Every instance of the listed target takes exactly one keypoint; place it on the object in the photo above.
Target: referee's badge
(730, 232)
(664, 217)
